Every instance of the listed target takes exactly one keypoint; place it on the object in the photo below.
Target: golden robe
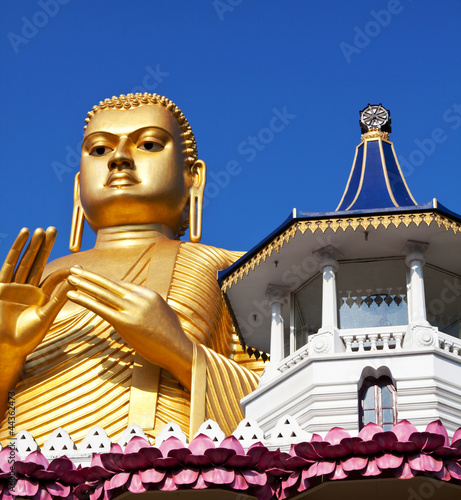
(84, 374)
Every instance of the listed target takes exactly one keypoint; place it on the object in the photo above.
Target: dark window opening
(378, 403)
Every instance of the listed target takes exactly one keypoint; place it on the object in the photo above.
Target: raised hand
(26, 311)
(141, 316)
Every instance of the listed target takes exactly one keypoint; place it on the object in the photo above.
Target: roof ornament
(375, 116)
(376, 180)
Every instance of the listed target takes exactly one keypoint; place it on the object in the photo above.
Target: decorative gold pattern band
(334, 224)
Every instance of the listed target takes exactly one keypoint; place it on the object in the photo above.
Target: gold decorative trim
(323, 225)
(375, 133)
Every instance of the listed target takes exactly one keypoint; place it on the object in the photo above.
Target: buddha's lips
(125, 178)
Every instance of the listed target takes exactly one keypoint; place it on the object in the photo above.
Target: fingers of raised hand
(42, 256)
(27, 261)
(32, 262)
(7, 270)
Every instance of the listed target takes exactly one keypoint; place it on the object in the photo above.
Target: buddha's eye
(100, 151)
(150, 146)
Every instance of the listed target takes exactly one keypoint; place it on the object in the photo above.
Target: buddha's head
(139, 166)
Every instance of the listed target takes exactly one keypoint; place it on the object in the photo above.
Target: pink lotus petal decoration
(402, 453)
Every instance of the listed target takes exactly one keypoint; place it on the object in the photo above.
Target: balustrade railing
(373, 339)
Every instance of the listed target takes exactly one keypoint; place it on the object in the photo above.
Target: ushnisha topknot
(129, 101)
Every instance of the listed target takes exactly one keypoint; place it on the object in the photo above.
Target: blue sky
(232, 66)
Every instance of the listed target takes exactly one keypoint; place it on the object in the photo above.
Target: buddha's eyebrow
(134, 134)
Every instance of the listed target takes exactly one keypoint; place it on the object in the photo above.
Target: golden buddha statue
(134, 330)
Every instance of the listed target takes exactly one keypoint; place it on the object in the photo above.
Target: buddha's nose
(122, 157)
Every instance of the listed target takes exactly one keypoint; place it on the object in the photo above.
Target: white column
(277, 296)
(328, 265)
(415, 261)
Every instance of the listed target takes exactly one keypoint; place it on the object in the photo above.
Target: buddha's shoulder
(220, 257)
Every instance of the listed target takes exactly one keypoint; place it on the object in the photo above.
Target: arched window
(378, 402)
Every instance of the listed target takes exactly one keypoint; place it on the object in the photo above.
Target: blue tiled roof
(376, 180)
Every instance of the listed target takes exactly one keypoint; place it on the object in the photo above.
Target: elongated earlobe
(78, 219)
(196, 200)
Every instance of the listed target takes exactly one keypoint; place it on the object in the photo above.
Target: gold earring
(78, 219)
(196, 201)
(195, 215)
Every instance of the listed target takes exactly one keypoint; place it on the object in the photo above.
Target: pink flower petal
(180, 454)
(135, 444)
(335, 435)
(218, 475)
(325, 468)
(294, 463)
(200, 484)
(306, 451)
(172, 443)
(339, 473)
(256, 452)
(369, 431)
(239, 462)
(118, 480)
(135, 485)
(198, 460)
(25, 469)
(185, 476)
(389, 461)
(115, 448)
(44, 475)
(354, 463)
(423, 463)
(254, 477)
(57, 489)
(151, 476)
(26, 487)
(96, 460)
(385, 440)
(37, 458)
(239, 483)
(335, 451)
(200, 444)
(372, 469)
(61, 465)
(219, 456)
(6, 454)
(98, 493)
(74, 477)
(112, 461)
(168, 484)
(457, 436)
(427, 441)
(454, 468)
(367, 448)
(404, 471)
(232, 443)
(168, 462)
(151, 453)
(316, 437)
(134, 461)
(351, 443)
(292, 479)
(437, 427)
(95, 473)
(403, 430)
(405, 447)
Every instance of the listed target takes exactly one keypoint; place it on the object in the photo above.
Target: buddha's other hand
(27, 310)
(139, 315)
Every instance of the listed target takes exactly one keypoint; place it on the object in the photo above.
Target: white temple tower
(360, 308)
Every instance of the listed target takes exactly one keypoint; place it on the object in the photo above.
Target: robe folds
(84, 374)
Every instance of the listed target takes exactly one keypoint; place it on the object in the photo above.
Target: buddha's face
(133, 169)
